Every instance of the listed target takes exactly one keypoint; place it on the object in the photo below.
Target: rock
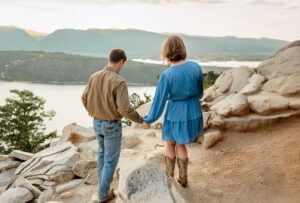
(53, 164)
(253, 85)
(144, 182)
(233, 80)
(151, 134)
(158, 126)
(284, 85)
(254, 121)
(210, 94)
(215, 121)
(22, 182)
(234, 104)
(95, 198)
(211, 138)
(54, 142)
(17, 154)
(176, 192)
(145, 109)
(5, 158)
(76, 134)
(6, 175)
(129, 152)
(294, 103)
(206, 116)
(69, 185)
(224, 82)
(16, 195)
(266, 103)
(130, 141)
(66, 195)
(92, 177)
(157, 156)
(45, 196)
(6, 165)
(284, 62)
(82, 167)
(89, 150)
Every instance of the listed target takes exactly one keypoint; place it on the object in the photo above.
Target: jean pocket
(112, 129)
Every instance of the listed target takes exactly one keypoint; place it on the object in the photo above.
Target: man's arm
(85, 93)
(124, 106)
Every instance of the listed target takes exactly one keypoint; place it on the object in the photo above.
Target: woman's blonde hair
(173, 49)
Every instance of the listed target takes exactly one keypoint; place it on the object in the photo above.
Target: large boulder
(233, 80)
(145, 109)
(266, 103)
(284, 62)
(82, 167)
(89, 150)
(5, 176)
(284, 85)
(254, 84)
(6, 165)
(16, 195)
(76, 134)
(131, 140)
(146, 182)
(234, 104)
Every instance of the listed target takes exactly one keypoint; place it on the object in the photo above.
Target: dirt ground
(262, 166)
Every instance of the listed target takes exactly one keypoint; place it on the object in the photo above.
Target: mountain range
(136, 43)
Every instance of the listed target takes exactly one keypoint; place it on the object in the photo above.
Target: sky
(278, 19)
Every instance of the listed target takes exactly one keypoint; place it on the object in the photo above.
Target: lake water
(232, 64)
(65, 100)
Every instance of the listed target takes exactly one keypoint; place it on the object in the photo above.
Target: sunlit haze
(279, 19)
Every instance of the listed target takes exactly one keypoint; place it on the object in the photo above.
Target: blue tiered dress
(182, 85)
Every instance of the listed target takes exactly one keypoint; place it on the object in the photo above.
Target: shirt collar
(108, 68)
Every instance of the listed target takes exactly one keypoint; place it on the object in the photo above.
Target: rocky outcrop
(245, 99)
(146, 182)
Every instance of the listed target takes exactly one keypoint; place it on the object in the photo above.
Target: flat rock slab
(16, 195)
(69, 185)
(17, 154)
(5, 165)
(144, 182)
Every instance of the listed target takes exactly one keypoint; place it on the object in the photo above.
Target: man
(106, 100)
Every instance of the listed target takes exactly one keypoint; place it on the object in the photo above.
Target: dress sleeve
(160, 99)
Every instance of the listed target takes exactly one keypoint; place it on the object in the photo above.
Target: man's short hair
(116, 55)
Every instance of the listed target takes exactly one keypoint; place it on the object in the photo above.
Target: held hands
(146, 125)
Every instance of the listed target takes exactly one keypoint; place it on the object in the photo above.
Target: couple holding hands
(106, 100)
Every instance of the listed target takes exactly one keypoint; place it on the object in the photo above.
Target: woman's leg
(182, 161)
(170, 158)
(170, 149)
(181, 151)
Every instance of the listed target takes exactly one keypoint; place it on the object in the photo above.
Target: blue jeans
(109, 136)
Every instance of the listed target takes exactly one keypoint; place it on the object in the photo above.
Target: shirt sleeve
(123, 104)
(160, 99)
(85, 94)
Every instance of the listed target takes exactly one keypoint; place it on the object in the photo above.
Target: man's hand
(146, 125)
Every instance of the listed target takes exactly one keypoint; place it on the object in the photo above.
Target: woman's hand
(146, 125)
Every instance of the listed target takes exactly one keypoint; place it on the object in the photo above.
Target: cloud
(287, 4)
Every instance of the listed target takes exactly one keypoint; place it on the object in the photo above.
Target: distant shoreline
(65, 83)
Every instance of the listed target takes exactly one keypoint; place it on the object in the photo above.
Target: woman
(182, 85)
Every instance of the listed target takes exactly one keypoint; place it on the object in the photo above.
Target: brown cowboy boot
(182, 166)
(170, 166)
(111, 195)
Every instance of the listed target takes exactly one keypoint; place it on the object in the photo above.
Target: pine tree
(22, 124)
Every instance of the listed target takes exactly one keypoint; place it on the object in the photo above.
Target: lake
(65, 100)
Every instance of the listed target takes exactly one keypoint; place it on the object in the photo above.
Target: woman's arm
(160, 99)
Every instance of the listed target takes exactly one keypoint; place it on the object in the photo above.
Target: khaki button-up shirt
(106, 97)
